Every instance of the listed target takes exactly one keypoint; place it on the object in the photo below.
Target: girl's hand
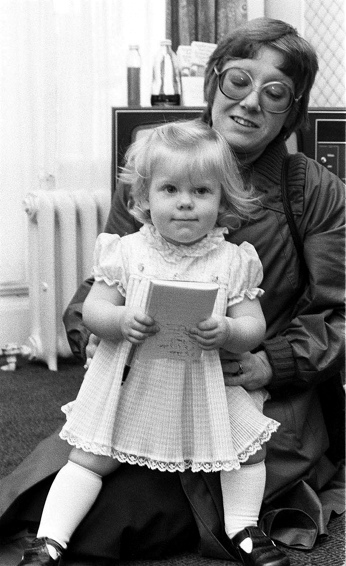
(136, 326)
(256, 371)
(212, 333)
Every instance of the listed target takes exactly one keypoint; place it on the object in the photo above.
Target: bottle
(166, 86)
(133, 76)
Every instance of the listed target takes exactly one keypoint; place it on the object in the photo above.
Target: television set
(324, 141)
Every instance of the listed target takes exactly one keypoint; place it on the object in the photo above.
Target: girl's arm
(241, 330)
(105, 314)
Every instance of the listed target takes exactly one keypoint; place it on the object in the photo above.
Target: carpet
(30, 401)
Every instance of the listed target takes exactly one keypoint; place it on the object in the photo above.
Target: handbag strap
(298, 242)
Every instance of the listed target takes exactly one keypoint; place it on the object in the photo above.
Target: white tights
(75, 490)
(71, 496)
(242, 493)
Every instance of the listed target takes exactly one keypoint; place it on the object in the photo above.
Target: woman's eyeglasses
(275, 97)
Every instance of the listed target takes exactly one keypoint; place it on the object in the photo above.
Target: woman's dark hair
(300, 62)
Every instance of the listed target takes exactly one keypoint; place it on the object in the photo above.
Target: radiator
(62, 230)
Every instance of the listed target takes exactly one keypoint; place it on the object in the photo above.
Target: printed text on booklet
(176, 306)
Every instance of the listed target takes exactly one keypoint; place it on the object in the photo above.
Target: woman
(257, 88)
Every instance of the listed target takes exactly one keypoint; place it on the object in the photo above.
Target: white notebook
(177, 306)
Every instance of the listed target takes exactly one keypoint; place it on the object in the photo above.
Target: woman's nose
(251, 101)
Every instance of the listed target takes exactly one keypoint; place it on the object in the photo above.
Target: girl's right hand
(136, 326)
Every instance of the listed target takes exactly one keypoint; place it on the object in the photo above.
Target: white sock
(242, 494)
(71, 496)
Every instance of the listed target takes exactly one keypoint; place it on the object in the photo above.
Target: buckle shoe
(264, 551)
(38, 554)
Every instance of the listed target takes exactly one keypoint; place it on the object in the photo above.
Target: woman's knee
(259, 456)
(102, 465)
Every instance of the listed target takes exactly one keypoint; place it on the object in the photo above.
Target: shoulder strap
(289, 215)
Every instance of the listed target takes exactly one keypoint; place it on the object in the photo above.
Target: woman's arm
(77, 334)
(311, 348)
(305, 343)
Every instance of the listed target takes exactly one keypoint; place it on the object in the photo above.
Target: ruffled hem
(253, 293)
(151, 463)
(110, 282)
(257, 445)
(179, 466)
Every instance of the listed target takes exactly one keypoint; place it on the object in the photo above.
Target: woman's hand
(251, 371)
(136, 326)
(210, 334)
(91, 349)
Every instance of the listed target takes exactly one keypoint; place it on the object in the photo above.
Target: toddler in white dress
(169, 414)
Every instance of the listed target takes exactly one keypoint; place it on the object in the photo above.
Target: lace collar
(173, 251)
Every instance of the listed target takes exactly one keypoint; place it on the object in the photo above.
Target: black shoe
(264, 551)
(38, 554)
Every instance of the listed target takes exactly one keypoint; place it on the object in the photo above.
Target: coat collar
(266, 177)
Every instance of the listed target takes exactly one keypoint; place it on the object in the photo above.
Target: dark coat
(143, 513)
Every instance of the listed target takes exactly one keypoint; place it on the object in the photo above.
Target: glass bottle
(166, 85)
(133, 76)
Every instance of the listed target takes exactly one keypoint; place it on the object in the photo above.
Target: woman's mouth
(243, 122)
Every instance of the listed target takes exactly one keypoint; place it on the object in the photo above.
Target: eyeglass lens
(237, 84)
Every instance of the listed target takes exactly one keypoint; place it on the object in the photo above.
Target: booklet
(176, 306)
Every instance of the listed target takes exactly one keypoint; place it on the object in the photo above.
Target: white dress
(169, 414)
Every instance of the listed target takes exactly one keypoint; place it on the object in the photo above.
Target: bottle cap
(166, 42)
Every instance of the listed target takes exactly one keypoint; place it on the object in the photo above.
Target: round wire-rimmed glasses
(276, 97)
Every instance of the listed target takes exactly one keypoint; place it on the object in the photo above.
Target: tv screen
(128, 124)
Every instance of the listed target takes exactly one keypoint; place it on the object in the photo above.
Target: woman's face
(245, 125)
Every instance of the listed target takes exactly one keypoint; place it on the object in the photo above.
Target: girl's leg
(242, 493)
(72, 494)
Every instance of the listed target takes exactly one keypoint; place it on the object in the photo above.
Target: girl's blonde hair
(197, 149)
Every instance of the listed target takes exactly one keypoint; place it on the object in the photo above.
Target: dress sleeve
(247, 275)
(110, 264)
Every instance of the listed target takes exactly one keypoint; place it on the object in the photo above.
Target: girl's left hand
(210, 334)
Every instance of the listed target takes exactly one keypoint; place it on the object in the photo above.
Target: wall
(321, 22)
(62, 68)
(291, 11)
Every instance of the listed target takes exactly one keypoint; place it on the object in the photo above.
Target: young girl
(169, 414)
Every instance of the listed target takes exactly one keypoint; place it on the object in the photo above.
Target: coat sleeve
(120, 222)
(311, 348)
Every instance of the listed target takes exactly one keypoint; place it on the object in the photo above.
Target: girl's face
(245, 125)
(183, 207)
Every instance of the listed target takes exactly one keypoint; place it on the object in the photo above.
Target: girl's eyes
(171, 189)
(202, 190)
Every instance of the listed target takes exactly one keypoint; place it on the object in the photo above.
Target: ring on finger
(240, 369)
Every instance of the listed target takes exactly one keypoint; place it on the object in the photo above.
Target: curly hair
(197, 149)
(299, 62)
